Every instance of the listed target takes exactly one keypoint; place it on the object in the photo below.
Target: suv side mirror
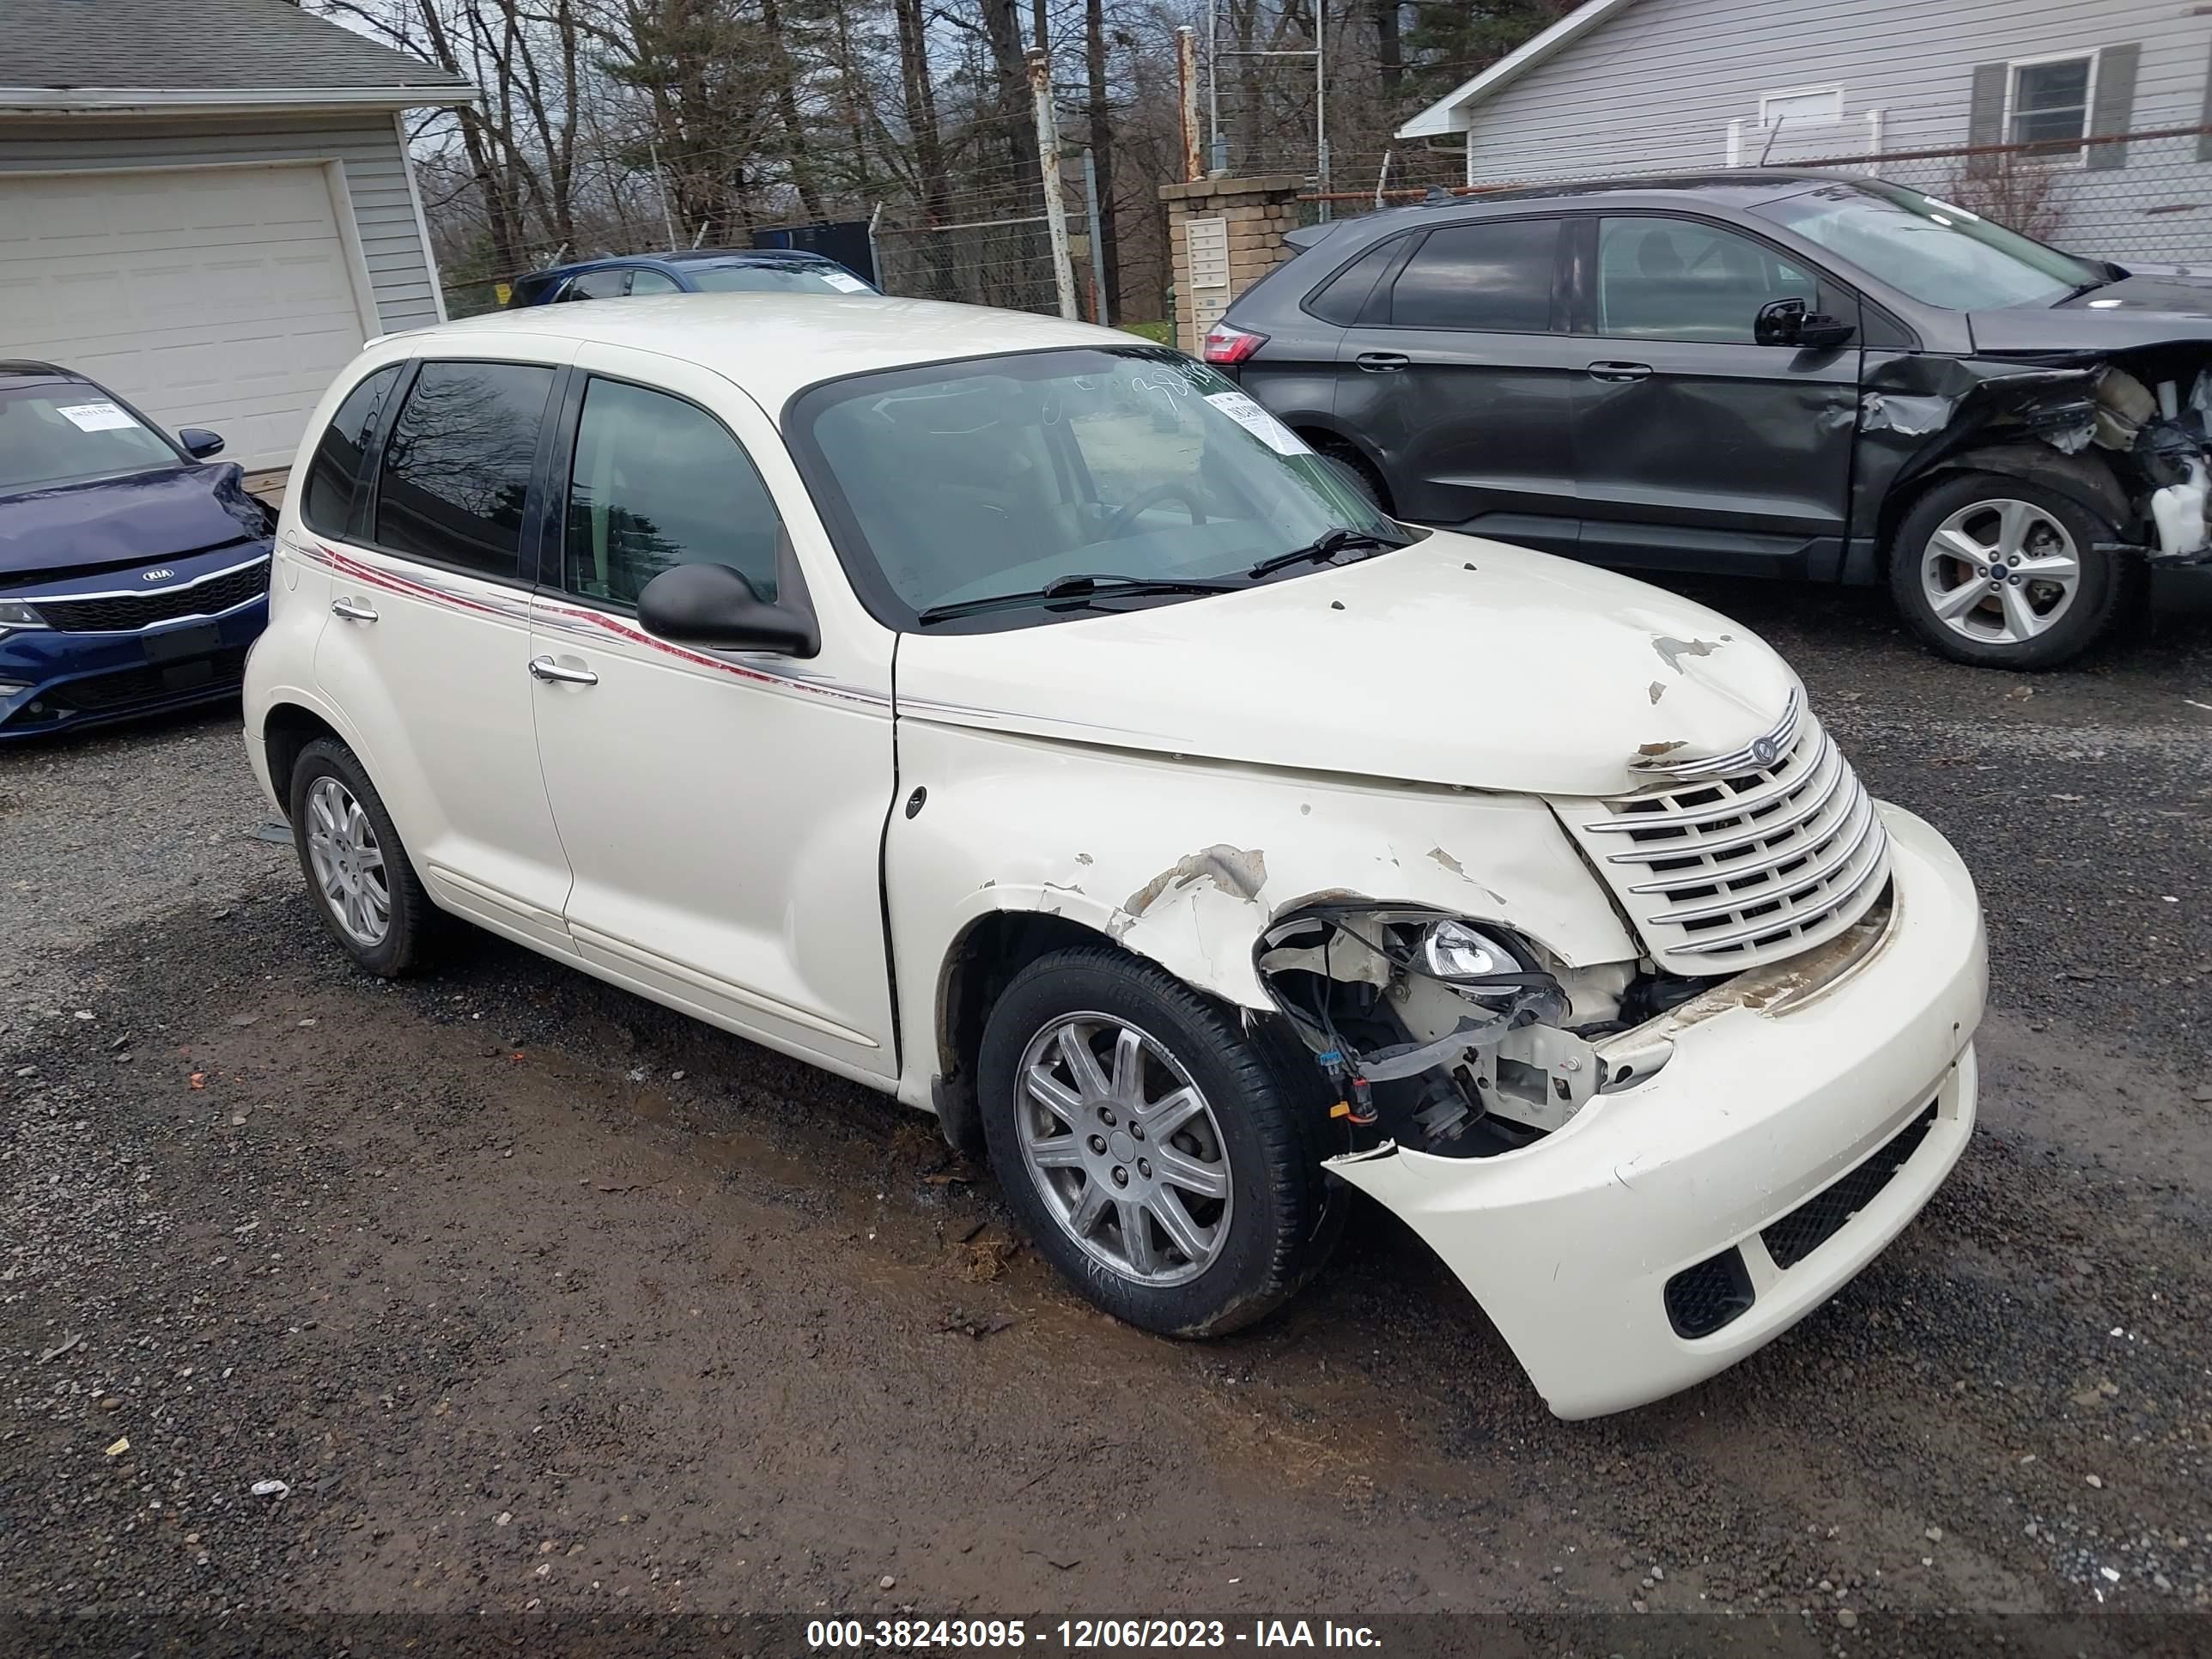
(199, 442)
(714, 606)
(1788, 323)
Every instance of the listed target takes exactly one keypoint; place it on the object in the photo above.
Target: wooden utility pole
(1055, 206)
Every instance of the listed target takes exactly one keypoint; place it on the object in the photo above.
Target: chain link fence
(2143, 195)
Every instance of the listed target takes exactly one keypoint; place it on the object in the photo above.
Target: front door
(1461, 376)
(1695, 448)
(724, 810)
(427, 643)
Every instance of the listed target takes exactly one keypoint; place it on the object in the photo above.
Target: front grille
(119, 613)
(1822, 1216)
(1724, 873)
(1716, 1292)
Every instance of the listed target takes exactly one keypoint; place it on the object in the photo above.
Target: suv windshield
(998, 475)
(776, 279)
(1940, 254)
(64, 434)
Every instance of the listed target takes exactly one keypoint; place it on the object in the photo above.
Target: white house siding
(1655, 87)
(367, 146)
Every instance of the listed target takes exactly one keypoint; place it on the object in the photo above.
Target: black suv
(1760, 373)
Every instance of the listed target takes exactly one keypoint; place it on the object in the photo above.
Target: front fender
(1186, 862)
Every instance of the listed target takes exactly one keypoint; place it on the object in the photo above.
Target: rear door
(1695, 448)
(427, 649)
(1461, 379)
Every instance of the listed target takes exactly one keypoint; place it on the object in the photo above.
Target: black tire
(1284, 1215)
(1363, 476)
(2111, 585)
(413, 922)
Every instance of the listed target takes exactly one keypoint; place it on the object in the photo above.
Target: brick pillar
(1225, 234)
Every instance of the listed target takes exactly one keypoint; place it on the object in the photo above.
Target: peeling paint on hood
(1530, 675)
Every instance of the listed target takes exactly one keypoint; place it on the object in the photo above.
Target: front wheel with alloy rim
(358, 874)
(1165, 1161)
(2004, 573)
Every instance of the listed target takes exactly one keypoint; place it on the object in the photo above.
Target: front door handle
(1619, 372)
(545, 668)
(1382, 363)
(352, 610)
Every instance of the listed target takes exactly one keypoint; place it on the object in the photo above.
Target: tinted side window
(1341, 298)
(326, 503)
(659, 481)
(1675, 279)
(456, 471)
(596, 285)
(1493, 276)
(652, 282)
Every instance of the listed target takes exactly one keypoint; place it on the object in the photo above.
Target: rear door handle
(352, 610)
(545, 668)
(1382, 363)
(1620, 372)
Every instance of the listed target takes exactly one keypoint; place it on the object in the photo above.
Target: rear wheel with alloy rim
(2004, 573)
(1165, 1161)
(358, 874)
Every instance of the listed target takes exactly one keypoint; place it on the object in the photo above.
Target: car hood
(168, 514)
(1455, 661)
(2148, 306)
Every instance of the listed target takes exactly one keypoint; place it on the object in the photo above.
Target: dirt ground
(537, 1297)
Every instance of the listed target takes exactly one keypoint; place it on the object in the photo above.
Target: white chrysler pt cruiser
(1014, 717)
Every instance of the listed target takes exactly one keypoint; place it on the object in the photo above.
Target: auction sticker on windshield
(102, 417)
(1260, 423)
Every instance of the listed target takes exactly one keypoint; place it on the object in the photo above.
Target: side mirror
(714, 606)
(199, 442)
(1789, 323)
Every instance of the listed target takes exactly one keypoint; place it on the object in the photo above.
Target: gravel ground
(536, 1296)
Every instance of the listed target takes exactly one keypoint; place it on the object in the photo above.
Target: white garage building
(208, 207)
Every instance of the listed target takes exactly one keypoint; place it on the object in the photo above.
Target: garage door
(219, 297)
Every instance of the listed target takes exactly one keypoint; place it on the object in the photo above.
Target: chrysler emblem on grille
(160, 575)
(1760, 753)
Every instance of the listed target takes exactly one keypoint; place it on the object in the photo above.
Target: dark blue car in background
(133, 573)
(698, 271)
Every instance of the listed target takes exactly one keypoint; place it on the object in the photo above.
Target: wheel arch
(2087, 478)
(286, 731)
(1357, 451)
(982, 958)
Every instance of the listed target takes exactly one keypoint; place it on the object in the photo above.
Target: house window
(2051, 102)
(1802, 107)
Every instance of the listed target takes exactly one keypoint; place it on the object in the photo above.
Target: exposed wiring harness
(1528, 996)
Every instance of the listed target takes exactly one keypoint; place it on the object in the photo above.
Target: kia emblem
(160, 575)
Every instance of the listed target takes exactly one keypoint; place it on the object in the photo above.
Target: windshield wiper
(1327, 545)
(1080, 589)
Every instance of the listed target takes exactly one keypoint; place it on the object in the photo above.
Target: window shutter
(2115, 108)
(1985, 115)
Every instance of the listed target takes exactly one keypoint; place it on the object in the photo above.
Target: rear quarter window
(326, 503)
(1344, 296)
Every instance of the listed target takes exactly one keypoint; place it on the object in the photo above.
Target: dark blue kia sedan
(133, 573)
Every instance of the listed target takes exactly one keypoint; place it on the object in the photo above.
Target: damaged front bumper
(1601, 1250)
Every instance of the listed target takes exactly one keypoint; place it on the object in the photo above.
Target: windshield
(1938, 253)
(64, 434)
(776, 279)
(998, 475)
